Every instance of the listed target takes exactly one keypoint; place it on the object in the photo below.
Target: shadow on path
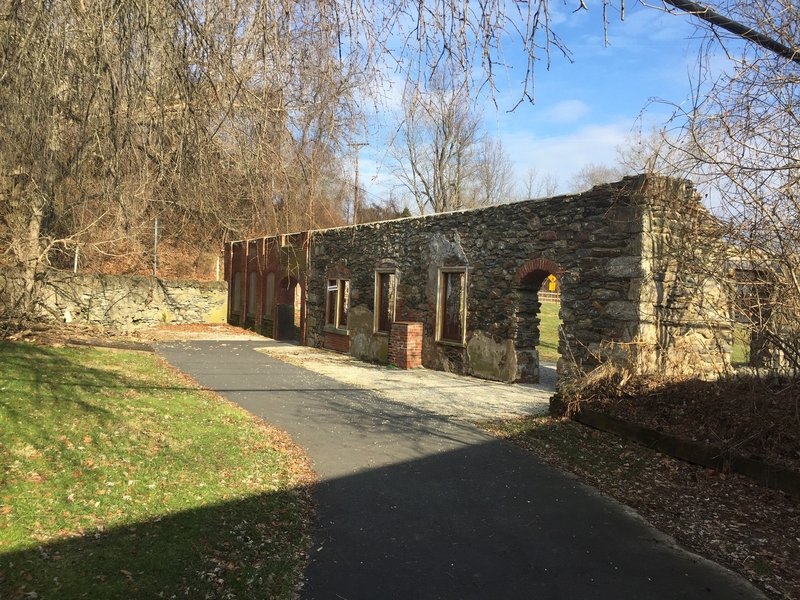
(414, 505)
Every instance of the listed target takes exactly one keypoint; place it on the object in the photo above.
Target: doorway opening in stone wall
(539, 321)
(288, 304)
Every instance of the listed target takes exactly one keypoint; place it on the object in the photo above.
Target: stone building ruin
(460, 289)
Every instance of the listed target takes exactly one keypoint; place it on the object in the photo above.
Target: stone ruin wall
(618, 299)
(686, 316)
(624, 298)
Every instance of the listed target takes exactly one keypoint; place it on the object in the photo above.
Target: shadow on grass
(474, 521)
(249, 548)
(49, 371)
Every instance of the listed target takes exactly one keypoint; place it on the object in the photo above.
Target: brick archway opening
(529, 280)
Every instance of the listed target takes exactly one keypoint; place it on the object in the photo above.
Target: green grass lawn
(548, 337)
(120, 479)
(740, 352)
(548, 332)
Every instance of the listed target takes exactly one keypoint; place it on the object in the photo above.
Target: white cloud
(567, 111)
(561, 156)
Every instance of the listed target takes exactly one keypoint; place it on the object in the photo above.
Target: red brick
(405, 345)
(337, 342)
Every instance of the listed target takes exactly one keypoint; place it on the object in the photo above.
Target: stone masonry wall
(612, 275)
(130, 302)
(686, 321)
(594, 238)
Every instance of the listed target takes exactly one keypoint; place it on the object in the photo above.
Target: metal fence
(549, 297)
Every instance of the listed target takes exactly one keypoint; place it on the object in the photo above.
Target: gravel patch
(446, 394)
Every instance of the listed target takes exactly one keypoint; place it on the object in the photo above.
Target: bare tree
(436, 146)
(537, 186)
(740, 140)
(493, 175)
(645, 153)
(219, 119)
(594, 174)
(443, 159)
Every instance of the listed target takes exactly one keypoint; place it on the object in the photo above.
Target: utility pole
(155, 248)
(356, 145)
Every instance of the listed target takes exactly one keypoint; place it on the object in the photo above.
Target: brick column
(405, 345)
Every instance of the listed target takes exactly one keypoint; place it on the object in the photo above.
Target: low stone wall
(129, 302)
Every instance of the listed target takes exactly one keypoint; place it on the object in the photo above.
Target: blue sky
(584, 109)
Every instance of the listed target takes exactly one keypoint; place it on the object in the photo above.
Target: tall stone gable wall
(686, 318)
(616, 304)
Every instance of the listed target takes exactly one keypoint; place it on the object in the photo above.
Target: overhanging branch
(748, 33)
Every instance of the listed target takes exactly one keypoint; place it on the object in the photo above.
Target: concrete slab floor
(442, 393)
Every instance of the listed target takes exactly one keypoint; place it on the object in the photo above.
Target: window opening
(338, 303)
(385, 295)
(452, 305)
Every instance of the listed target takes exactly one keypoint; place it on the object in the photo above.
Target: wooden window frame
(337, 300)
(378, 304)
(441, 298)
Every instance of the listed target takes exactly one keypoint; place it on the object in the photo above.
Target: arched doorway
(252, 302)
(268, 308)
(288, 305)
(538, 322)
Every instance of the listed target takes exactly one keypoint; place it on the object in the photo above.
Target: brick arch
(537, 265)
(284, 288)
(529, 279)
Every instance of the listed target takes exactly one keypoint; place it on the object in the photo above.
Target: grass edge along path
(119, 477)
(729, 519)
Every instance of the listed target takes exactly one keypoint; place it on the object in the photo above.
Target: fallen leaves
(729, 518)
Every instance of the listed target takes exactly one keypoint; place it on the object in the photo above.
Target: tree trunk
(22, 220)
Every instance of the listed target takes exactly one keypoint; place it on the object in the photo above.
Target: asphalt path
(412, 505)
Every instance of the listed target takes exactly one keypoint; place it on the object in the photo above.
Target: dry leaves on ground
(727, 518)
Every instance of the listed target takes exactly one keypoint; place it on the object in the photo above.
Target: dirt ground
(756, 417)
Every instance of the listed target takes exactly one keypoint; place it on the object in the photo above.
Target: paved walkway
(412, 504)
